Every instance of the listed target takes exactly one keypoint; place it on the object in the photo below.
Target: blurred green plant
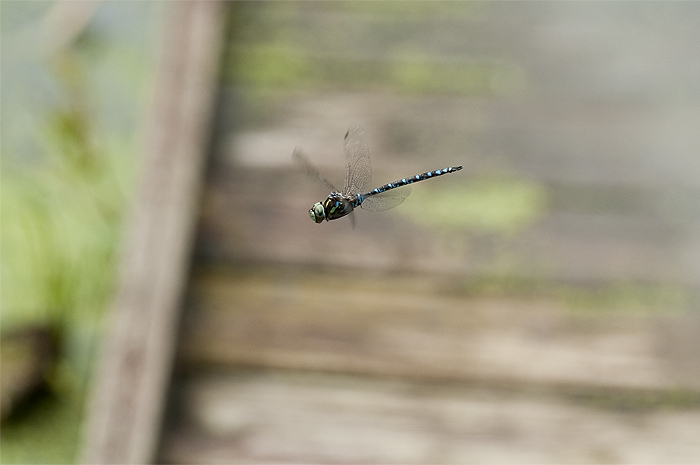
(64, 185)
(51, 436)
(284, 65)
(59, 233)
(276, 49)
(61, 220)
(499, 206)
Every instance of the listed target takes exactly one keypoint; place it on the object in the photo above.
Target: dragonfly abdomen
(410, 180)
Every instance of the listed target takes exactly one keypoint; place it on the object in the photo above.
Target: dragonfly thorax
(335, 206)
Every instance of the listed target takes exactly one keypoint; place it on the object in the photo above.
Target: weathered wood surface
(429, 326)
(587, 233)
(572, 337)
(134, 369)
(282, 417)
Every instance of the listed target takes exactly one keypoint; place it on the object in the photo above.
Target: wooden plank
(135, 363)
(431, 326)
(266, 417)
(254, 214)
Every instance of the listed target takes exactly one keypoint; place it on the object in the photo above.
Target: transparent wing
(299, 158)
(358, 170)
(386, 200)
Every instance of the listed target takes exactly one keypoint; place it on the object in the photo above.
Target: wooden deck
(540, 306)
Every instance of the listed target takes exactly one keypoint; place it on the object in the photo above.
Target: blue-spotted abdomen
(411, 180)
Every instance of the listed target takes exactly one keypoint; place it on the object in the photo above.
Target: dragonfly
(358, 178)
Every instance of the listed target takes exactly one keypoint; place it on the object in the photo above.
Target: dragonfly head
(317, 212)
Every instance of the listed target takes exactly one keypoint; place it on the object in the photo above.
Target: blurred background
(76, 79)
(539, 306)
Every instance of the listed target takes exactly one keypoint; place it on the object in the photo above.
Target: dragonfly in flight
(358, 178)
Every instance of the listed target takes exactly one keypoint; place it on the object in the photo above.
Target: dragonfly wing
(300, 159)
(386, 200)
(358, 169)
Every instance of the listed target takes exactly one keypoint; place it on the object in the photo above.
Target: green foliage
(48, 434)
(484, 206)
(69, 124)
(60, 226)
(285, 66)
(621, 297)
(59, 234)
(275, 46)
(585, 302)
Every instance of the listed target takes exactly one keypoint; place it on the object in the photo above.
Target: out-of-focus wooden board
(280, 417)
(260, 214)
(131, 383)
(429, 326)
(323, 343)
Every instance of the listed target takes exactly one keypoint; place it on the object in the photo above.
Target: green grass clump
(497, 206)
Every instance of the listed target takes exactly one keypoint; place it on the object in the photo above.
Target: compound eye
(317, 213)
